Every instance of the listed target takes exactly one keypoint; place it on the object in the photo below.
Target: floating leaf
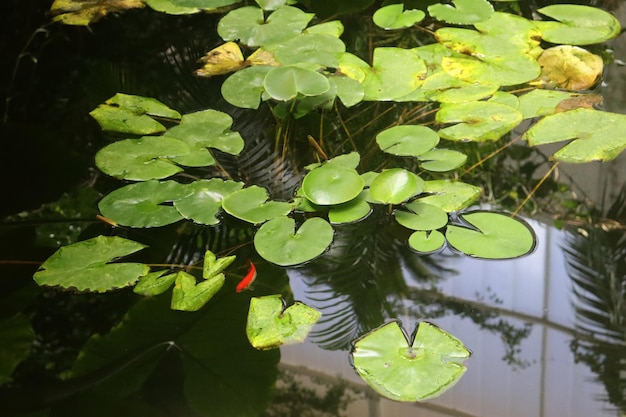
(141, 159)
(332, 183)
(464, 12)
(491, 236)
(508, 99)
(569, 67)
(541, 102)
(319, 49)
(251, 205)
(395, 73)
(577, 25)
(286, 83)
(248, 25)
(352, 211)
(593, 135)
(83, 13)
(277, 242)
(449, 195)
(244, 88)
(141, 204)
(271, 325)
(189, 295)
(17, 337)
(84, 265)
(423, 216)
(213, 265)
(409, 369)
(224, 59)
(407, 140)
(333, 27)
(131, 114)
(394, 16)
(349, 90)
(477, 121)
(427, 242)
(442, 160)
(154, 283)
(396, 185)
(205, 200)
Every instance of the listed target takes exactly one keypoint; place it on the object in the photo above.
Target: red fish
(248, 279)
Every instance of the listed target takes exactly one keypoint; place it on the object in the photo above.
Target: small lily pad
(477, 121)
(213, 265)
(491, 235)
(332, 183)
(422, 216)
(577, 24)
(277, 240)
(244, 88)
(85, 265)
(407, 140)
(442, 160)
(409, 369)
(205, 200)
(352, 211)
(396, 185)
(464, 12)
(154, 283)
(449, 195)
(189, 295)
(394, 16)
(427, 241)
(251, 205)
(271, 325)
(286, 83)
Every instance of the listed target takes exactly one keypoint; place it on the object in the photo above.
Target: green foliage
(394, 16)
(464, 12)
(17, 337)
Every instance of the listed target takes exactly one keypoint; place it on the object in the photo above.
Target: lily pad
(491, 235)
(592, 135)
(409, 369)
(141, 159)
(332, 183)
(178, 7)
(251, 205)
(205, 200)
(333, 27)
(321, 49)
(442, 160)
(244, 88)
(349, 90)
(189, 295)
(464, 12)
(570, 68)
(577, 25)
(427, 241)
(394, 16)
(449, 195)
(271, 325)
(278, 242)
(83, 13)
(477, 121)
(541, 102)
(395, 73)
(352, 211)
(396, 185)
(407, 140)
(154, 283)
(286, 83)
(85, 265)
(141, 204)
(132, 114)
(213, 265)
(422, 216)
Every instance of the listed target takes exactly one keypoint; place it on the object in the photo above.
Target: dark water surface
(547, 331)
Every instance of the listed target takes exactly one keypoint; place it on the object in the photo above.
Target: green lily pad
(427, 241)
(541, 102)
(248, 25)
(271, 325)
(349, 91)
(332, 183)
(205, 200)
(132, 114)
(85, 265)
(321, 49)
(593, 135)
(570, 68)
(251, 205)
(491, 236)
(154, 283)
(333, 28)
(286, 83)
(17, 337)
(449, 195)
(178, 7)
(272, 4)
(394, 16)
(189, 295)
(407, 140)
(277, 242)
(409, 369)
(464, 12)
(477, 121)
(508, 99)
(244, 88)
(395, 73)
(141, 159)
(577, 25)
(213, 265)
(422, 216)
(396, 185)
(141, 204)
(442, 160)
(352, 211)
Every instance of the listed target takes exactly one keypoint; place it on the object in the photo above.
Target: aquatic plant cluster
(485, 71)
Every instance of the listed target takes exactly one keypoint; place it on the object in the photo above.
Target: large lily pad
(395, 72)
(205, 200)
(141, 204)
(577, 25)
(593, 135)
(251, 205)
(407, 140)
(85, 265)
(332, 183)
(409, 369)
(286, 83)
(394, 16)
(477, 121)
(449, 195)
(570, 68)
(352, 211)
(271, 325)
(464, 12)
(278, 242)
(395, 185)
(245, 88)
(491, 235)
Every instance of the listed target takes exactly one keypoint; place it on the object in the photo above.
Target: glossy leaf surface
(477, 121)
(395, 72)
(394, 16)
(286, 83)
(442, 160)
(352, 211)
(154, 283)
(332, 183)
(244, 88)
(422, 216)
(407, 140)
(427, 241)
(395, 186)
(252, 205)
(189, 295)
(449, 195)
(577, 25)
(204, 201)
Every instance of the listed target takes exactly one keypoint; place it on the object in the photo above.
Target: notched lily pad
(85, 265)
(204, 201)
(252, 205)
(407, 140)
(394, 186)
(477, 121)
(464, 12)
(427, 241)
(449, 195)
(245, 88)
(409, 369)
(270, 324)
(577, 24)
(442, 160)
(569, 67)
(332, 183)
(352, 211)
(154, 283)
(394, 16)
(422, 216)
(286, 83)
(190, 295)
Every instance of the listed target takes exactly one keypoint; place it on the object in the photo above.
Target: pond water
(547, 331)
